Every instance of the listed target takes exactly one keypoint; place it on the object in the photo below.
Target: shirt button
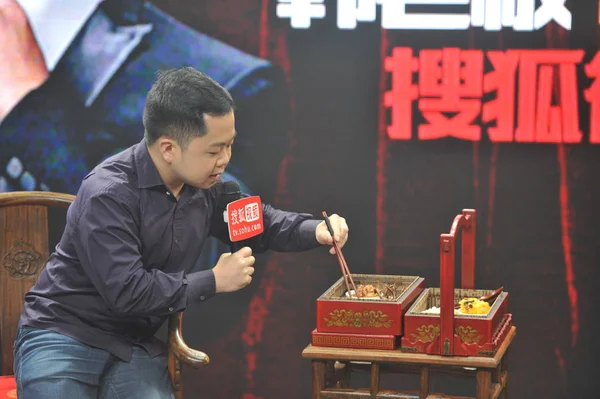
(168, 193)
(170, 309)
(202, 298)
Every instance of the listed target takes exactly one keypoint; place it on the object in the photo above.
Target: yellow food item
(366, 291)
(474, 306)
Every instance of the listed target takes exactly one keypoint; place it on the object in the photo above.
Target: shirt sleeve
(108, 246)
(284, 231)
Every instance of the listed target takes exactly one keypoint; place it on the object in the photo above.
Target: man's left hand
(340, 232)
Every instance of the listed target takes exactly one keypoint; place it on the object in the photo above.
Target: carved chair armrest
(180, 349)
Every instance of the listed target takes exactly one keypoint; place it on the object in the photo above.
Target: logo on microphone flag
(245, 218)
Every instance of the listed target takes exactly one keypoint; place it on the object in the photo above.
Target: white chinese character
(348, 12)
(552, 10)
(490, 13)
(527, 18)
(234, 217)
(525, 12)
(493, 14)
(252, 213)
(521, 18)
(477, 12)
(394, 16)
(242, 215)
(300, 12)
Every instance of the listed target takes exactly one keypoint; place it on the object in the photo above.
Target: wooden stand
(331, 369)
(447, 353)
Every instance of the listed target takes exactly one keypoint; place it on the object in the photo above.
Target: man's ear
(167, 147)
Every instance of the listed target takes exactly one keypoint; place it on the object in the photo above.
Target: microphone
(231, 192)
(241, 213)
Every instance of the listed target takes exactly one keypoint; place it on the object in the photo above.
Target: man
(132, 237)
(74, 77)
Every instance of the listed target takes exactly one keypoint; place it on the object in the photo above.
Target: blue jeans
(51, 366)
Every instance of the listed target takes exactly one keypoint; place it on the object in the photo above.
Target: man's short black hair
(177, 102)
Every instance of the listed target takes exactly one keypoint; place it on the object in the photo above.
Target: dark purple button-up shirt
(125, 260)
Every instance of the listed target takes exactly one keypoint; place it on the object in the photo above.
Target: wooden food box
(474, 334)
(447, 333)
(368, 323)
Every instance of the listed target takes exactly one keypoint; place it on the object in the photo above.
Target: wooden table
(332, 366)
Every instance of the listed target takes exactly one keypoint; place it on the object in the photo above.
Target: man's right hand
(234, 271)
(22, 64)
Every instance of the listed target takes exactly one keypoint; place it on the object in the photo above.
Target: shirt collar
(147, 173)
(55, 24)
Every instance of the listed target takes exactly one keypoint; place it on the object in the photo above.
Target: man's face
(205, 159)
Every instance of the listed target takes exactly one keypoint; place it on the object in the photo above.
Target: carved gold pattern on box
(349, 318)
(426, 333)
(22, 260)
(468, 335)
(353, 341)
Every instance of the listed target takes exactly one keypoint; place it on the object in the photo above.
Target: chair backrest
(24, 247)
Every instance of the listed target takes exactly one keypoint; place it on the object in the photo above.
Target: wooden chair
(24, 249)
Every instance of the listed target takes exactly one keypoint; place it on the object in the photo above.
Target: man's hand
(234, 271)
(22, 65)
(340, 232)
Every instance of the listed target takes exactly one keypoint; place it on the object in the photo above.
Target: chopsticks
(343, 265)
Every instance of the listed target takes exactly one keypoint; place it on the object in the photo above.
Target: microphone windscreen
(230, 192)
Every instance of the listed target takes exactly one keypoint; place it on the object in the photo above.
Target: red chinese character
(502, 108)
(401, 64)
(592, 95)
(255, 323)
(454, 77)
(540, 119)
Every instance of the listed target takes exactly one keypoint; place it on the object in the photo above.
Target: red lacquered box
(474, 335)
(354, 341)
(337, 313)
(446, 333)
